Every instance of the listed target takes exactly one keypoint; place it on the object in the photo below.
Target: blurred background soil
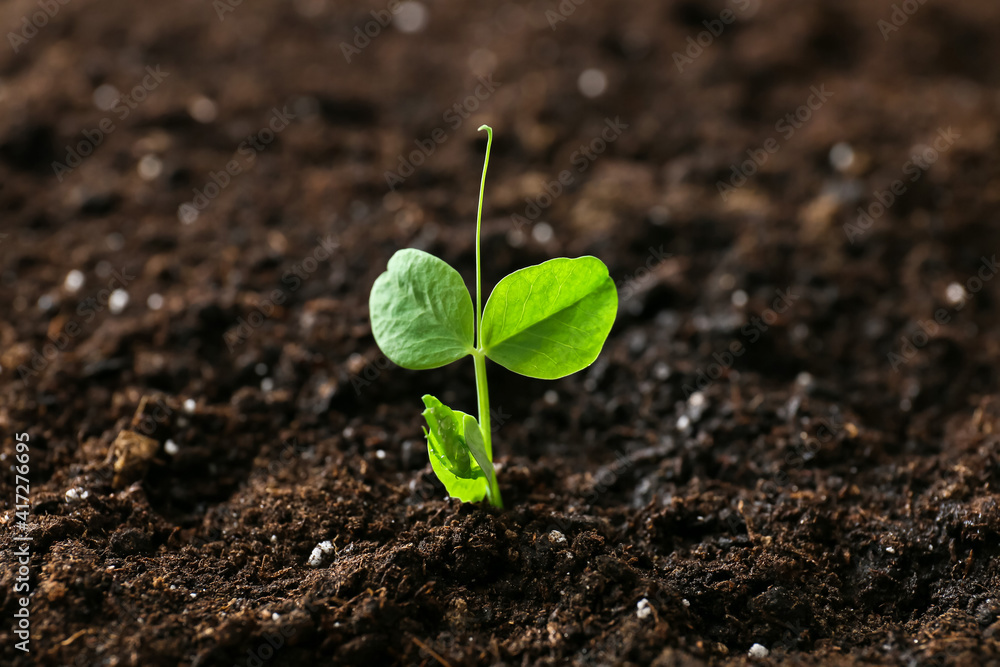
(790, 439)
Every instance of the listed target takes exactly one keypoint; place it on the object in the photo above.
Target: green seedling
(545, 321)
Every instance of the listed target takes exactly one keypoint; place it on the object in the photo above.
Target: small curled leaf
(454, 464)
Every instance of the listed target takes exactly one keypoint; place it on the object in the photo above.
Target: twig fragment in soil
(72, 638)
(434, 654)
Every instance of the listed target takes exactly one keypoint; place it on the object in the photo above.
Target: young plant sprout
(545, 321)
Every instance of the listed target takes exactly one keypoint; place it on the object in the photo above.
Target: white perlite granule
(319, 552)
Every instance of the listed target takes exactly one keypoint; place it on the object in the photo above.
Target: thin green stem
(483, 394)
(479, 233)
(482, 391)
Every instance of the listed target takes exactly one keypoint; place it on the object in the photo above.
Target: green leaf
(447, 427)
(461, 475)
(550, 320)
(421, 311)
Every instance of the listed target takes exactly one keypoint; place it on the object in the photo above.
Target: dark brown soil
(818, 496)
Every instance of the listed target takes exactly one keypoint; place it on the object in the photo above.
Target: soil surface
(791, 438)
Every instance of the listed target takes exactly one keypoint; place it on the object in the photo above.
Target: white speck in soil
(515, 238)
(792, 407)
(149, 167)
(955, 293)
(76, 493)
(411, 17)
(556, 537)
(319, 553)
(74, 280)
(105, 96)
(841, 156)
(202, 109)
(592, 82)
(170, 447)
(189, 406)
(118, 301)
(643, 609)
(542, 232)
(637, 342)
(758, 651)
